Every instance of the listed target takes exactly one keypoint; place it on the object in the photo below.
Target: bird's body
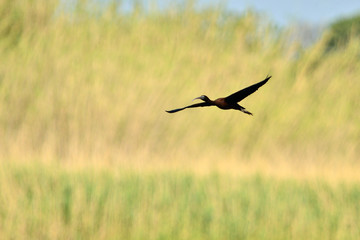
(222, 104)
(229, 102)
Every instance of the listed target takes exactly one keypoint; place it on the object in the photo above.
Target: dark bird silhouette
(229, 102)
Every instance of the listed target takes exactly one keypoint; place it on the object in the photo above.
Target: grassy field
(45, 202)
(87, 150)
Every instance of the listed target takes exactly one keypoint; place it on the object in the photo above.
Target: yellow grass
(90, 86)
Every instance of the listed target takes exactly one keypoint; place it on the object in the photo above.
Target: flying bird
(229, 102)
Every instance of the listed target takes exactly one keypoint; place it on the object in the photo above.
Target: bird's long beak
(197, 98)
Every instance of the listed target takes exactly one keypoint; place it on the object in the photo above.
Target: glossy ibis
(229, 102)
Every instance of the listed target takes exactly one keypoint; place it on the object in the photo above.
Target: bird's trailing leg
(244, 110)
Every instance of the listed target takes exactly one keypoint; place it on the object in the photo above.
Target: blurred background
(87, 150)
(88, 81)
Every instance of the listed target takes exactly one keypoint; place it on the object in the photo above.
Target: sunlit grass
(83, 87)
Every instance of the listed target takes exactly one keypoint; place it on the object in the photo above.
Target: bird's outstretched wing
(203, 104)
(240, 95)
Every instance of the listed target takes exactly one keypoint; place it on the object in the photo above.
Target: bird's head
(204, 98)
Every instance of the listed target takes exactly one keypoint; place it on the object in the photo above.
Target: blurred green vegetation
(342, 31)
(92, 83)
(20, 19)
(47, 202)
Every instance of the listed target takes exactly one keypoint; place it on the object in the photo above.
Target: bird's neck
(207, 100)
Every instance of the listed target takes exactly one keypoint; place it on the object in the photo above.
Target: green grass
(48, 202)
